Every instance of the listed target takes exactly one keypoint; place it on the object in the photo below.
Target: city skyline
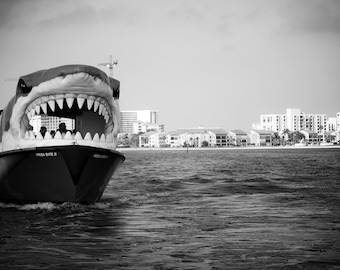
(200, 63)
(287, 123)
(144, 121)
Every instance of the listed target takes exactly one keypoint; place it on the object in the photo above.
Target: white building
(192, 137)
(152, 139)
(50, 122)
(128, 118)
(336, 135)
(197, 137)
(273, 122)
(260, 137)
(142, 127)
(311, 137)
(200, 137)
(293, 120)
(238, 137)
(149, 139)
(298, 121)
(331, 124)
(172, 139)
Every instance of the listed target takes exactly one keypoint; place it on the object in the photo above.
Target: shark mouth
(70, 105)
(83, 94)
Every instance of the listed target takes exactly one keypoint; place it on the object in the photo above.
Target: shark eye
(24, 88)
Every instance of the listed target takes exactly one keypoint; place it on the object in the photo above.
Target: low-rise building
(149, 139)
(336, 135)
(311, 137)
(238, 137)
(222, 138)
(199, 137)
(260, 137)
(193, 137)
(196, 137)
(153, 139)
(172, 139)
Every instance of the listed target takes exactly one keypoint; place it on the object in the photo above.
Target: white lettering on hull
(47, 154)
(100, 156)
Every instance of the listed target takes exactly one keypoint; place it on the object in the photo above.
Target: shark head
(82, 93)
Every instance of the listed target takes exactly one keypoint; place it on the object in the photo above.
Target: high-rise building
(142, 127)
(331, 124)
(297, 121)
(294, 120)
(128, 118)
(273, 122)
(50, 122)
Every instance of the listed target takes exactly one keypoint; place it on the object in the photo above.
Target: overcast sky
(216, 63)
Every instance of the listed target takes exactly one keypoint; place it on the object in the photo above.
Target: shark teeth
(60, 103)
(80, 102)
(41, 105)
(29, 135)
(51, 105)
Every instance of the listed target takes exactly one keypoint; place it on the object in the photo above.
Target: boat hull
(57, 174)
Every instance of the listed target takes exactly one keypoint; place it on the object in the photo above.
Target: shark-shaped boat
(72, 166)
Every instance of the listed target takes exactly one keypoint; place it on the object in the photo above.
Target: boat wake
(28, 207)
(50, 206)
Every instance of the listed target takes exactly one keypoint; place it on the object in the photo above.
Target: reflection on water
(244, 209)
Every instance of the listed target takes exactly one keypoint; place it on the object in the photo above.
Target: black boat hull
(57, 174)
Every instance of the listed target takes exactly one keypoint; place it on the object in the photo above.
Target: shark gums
(70, 165)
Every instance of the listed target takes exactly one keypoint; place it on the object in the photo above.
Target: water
(205, 209)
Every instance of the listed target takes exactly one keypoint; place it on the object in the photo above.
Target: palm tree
(275, 138)
(286, 132)
(298, 136)
(322, 130)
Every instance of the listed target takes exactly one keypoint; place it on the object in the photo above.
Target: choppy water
(213, 209)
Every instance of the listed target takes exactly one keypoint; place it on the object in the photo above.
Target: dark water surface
(206, 209)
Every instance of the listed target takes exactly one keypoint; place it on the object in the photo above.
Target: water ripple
(233, 209)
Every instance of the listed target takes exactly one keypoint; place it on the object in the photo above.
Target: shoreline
(227, 148)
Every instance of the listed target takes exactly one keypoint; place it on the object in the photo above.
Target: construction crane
(110, 65)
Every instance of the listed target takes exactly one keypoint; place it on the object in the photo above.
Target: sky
(212, 63)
